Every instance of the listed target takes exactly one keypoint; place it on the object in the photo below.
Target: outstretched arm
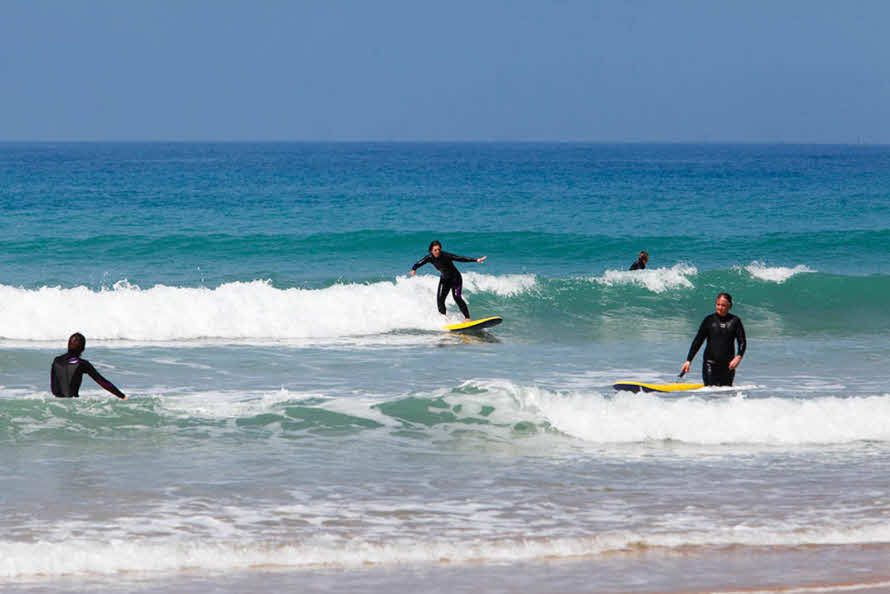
(420, 263)
(97, 377)
(457, 258)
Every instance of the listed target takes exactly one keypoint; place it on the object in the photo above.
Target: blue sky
(561, 70)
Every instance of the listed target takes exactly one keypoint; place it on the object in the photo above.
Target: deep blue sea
(298, 419)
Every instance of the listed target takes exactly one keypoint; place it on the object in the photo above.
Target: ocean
(298, 420)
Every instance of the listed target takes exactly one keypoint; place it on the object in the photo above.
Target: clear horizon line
(426, 141)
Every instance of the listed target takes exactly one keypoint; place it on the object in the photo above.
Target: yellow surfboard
(641, 387)
(475, 324)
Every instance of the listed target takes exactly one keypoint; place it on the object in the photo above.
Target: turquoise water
(297, 418)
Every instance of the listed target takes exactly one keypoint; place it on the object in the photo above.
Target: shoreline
(728, 570)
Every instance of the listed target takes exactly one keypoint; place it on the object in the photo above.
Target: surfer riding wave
(450, 278)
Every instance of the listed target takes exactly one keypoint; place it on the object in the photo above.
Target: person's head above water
(724, 304)
(435, 248)
(644, 256)
(76, 343)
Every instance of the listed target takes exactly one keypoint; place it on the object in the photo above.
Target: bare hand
(685, 367)
(735, 361)
(481, 260)
(413, 272)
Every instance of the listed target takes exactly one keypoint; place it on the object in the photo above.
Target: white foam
(79, 556)
(657, 280)
(508, 285)
(714, 420)
(235, 311)
(775, 274)
(710, 416)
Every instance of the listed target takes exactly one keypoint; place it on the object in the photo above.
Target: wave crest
(776, 274)
(237, 310)
(657, 280)
(504, 409)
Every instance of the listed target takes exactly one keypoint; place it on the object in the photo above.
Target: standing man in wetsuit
(450, 278)
(67, 371)
(641, 262)
(722, 330)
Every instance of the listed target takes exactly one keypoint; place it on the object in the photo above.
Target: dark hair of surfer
(726, 296)
(433, 244)
(76, 343)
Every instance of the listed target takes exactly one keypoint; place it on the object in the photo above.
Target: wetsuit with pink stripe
(449, 279)
(67, 372)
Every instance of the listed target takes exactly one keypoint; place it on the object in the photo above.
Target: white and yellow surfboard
(641, 387)
(475, 324)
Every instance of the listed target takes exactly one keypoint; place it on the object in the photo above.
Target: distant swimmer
(450, 278)
(640, 264)
(68, 369)
(722, 330)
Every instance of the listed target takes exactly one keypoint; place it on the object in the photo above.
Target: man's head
(435, 248)
(723, 304)
(644, 256)
(76, 343)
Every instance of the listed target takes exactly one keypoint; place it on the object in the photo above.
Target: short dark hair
(433, 244)
(727, 296)
(76, 343)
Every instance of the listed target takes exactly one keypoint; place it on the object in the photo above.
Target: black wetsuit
(450, 279)
(721, 334)
(67, 372)
(638, 265)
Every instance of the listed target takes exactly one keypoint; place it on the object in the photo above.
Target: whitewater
(298, 420)
(258, 310)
